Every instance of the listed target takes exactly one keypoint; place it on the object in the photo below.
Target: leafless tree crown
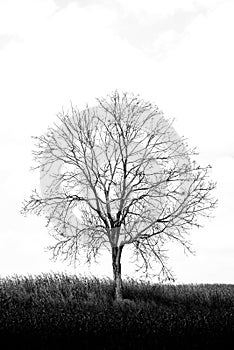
(118, 174)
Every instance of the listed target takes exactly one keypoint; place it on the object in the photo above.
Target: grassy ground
(59, 311)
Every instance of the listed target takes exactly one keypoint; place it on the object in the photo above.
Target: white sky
(178, 54)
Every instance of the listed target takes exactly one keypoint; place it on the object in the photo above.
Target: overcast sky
(177, 53)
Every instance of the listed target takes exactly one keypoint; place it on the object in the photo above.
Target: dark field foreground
(67, 312)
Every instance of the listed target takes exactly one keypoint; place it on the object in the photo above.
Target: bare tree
(116, 175)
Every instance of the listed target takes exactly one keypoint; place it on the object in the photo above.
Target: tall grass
(57, 310)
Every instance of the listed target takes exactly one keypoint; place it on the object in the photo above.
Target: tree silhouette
(116, 175)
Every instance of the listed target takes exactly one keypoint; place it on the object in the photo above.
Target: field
(62, 311)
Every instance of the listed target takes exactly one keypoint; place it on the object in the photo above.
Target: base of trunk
(116, 256)
(118, 288)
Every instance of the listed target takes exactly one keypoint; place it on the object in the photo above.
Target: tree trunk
(116, 257)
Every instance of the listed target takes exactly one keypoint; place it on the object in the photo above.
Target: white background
(178, 54)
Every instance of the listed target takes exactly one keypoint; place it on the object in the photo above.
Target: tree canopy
(118, 174)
